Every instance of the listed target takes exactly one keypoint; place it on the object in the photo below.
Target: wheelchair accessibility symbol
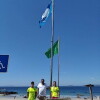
(1, 65)
(4, 63)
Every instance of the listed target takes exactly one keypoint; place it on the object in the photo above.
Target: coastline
(72, 92)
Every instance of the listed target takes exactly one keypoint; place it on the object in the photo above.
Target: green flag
(54, 50)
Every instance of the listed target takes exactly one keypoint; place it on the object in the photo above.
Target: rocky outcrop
(8, 93)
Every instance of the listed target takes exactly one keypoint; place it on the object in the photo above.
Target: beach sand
(20, 98)
(12, 98)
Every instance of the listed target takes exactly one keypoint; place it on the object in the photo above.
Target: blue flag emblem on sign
(46, 14)
(4, 63)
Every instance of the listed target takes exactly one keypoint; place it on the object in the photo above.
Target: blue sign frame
(4, 63)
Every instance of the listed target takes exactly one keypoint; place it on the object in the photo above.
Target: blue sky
(77, 23)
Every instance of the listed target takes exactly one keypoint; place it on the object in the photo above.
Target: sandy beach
(12, 98)
(21, 98)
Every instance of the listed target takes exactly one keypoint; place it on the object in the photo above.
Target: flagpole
(52, 40)
(59, 64)
(58, 60)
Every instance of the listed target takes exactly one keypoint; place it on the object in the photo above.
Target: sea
(65, 91)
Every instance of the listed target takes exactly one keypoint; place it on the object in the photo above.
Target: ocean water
(65, 91)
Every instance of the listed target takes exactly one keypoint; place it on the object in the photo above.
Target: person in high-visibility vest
(54, 90)
(31, 92)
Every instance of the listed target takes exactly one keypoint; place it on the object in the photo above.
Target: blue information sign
(4, 63)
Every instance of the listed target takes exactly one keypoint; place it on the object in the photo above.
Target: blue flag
(46, 14)
(4, 63)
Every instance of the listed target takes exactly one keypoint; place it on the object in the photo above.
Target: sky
(77, 24)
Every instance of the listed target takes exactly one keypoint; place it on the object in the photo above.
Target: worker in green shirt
(54, 90)
(31, 92)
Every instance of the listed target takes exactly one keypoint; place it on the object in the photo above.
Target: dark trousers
(42, 97)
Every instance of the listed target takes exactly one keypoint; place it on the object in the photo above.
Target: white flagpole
(58, 61)
(52, 41)
(59, 65)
